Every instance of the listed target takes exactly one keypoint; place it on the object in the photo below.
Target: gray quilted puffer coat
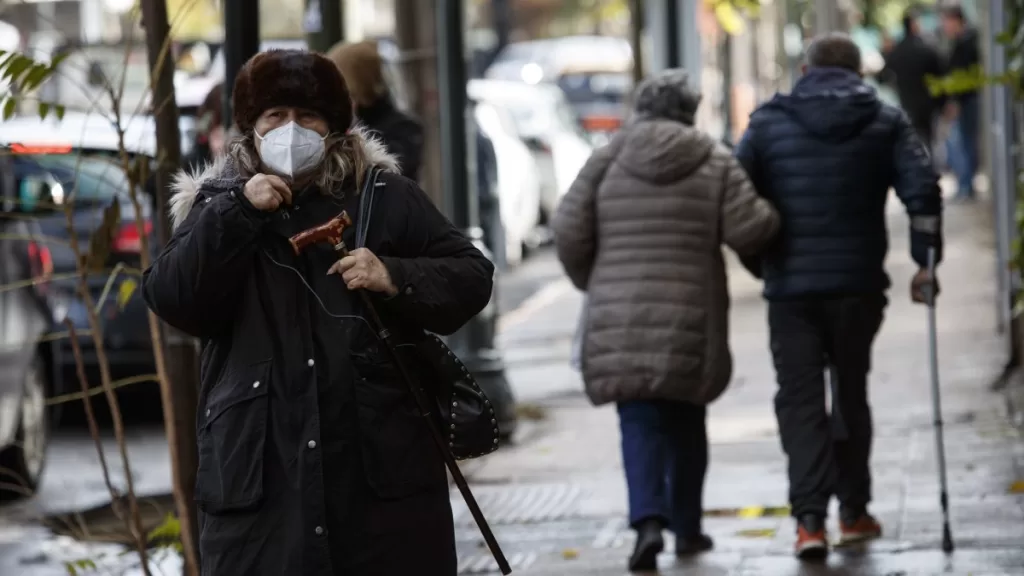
(641, 231)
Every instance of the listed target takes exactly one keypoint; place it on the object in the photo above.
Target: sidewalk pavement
(557, 497)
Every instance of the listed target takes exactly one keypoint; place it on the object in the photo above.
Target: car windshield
(586, 88)
(90, 179)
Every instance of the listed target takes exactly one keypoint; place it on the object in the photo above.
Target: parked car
(190, 91)
(48, 161)
(594, 72)
(519, 184)
(548, 126)
(27, 311)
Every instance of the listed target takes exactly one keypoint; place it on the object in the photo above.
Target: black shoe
(811, 540)
(649, 543)
(691, 545)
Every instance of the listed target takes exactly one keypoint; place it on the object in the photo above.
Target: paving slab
(567, 474)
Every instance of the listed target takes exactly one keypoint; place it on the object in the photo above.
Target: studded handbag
(464, 412)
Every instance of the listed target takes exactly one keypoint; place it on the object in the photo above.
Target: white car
(191, 91)
(547, 124)
(519, 188)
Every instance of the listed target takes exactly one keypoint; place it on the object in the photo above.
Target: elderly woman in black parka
(312, 458)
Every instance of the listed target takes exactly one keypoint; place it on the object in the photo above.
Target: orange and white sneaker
(811, 540)
(858, 527)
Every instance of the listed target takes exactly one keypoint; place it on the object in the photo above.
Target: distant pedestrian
(964, 67)
(826, 156)
(641, 231)
(363, 68)
(910, 63)
(210, 141)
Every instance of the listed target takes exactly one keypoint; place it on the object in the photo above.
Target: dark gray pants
(808, 337)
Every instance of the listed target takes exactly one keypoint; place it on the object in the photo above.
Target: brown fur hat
(291, 78)
(363, 68)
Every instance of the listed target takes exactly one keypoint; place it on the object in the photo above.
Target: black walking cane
(331, 232)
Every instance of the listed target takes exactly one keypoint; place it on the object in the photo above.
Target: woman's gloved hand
(362, 269)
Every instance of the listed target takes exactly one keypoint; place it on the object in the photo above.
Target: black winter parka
(312, 457)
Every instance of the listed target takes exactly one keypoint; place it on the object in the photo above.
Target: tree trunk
(636, 37)
(178, 364)
(415, 32)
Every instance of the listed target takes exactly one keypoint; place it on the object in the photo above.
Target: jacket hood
(660, 150)
(221, 174)
(832, 103)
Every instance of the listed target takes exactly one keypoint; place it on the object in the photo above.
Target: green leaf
(9, 108)
(58, 59)
(7, 58)
(59, 111)
(16, 67)
(44, 109)
(35, 76)
(70, 567)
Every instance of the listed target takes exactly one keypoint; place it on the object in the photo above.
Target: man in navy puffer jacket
(826, 156)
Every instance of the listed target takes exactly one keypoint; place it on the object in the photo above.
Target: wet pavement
(556, 497)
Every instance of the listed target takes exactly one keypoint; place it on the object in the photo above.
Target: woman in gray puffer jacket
(641, 232)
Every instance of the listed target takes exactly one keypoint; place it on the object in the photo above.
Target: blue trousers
(965, 156)
(665, 455)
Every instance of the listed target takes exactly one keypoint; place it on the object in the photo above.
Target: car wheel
(21, 465)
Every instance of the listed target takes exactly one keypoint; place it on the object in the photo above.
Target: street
(556, 497)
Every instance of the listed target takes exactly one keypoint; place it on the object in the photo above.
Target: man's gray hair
(834, 50)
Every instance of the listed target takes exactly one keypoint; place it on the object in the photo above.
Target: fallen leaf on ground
(1017, 487)
(751, 512)
(531, 411)
(757, 533)
(570, 554)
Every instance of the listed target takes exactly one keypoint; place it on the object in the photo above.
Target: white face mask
(290, 150)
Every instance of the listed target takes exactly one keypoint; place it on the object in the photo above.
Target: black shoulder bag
(463, 409)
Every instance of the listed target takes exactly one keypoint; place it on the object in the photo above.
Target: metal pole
(474, 343)
(636, 36)
(940, 444)
(241, 42)
(324, 24)
(727, 82)
(825, 16)
(1002, 167)
(689, 40)
(451, 73)
(673, 31)
(501, 12)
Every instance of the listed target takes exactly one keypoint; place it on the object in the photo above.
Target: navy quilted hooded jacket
(826, 156)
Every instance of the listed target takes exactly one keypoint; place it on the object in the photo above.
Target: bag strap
(366, 205)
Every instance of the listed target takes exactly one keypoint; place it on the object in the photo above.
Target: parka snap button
(207, 411)
(319, 531)
(208, 200)
(310, 362)
(256, 384)
(408, 290)
(311, 444)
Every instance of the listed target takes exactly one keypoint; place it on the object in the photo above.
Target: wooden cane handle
(329, 231)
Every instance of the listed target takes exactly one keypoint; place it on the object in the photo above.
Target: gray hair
(834, 50)
(668, 95)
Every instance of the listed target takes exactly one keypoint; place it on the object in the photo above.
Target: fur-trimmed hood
(221, 174)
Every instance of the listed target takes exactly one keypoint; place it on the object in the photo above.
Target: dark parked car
(26, 313)
(52, 162)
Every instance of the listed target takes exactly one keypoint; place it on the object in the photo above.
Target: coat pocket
(232, 438)
(399, 455)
